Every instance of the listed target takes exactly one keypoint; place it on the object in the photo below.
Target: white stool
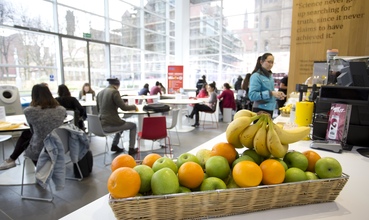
(4, 138)
(227, 114)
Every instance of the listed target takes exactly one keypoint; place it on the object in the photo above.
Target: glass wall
(226, 37)
(74, 42)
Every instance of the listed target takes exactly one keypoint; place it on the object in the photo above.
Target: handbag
(155, 108)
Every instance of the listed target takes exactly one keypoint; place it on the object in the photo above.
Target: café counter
(351, 203)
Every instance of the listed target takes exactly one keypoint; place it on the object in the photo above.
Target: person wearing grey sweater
(43, 115)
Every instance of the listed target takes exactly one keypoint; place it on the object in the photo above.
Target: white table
(22, 119)
(133, 98)
(180, 102)
(350, 204)
(89, 105)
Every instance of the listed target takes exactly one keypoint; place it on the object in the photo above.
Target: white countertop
(350, 204)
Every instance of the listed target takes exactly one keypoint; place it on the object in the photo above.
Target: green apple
(242, 158)
(183, 189)
(232, 184)
(203, 155)
(185, 157)
(255, 156)
(164, 181)
(311, 175)
(217, 166)
(282, 162)
(296, 159)
(328, 167)
(164, 162)
(145, 174)
(294, 174)
(212, 183)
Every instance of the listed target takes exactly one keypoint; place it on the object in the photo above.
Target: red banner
(175, 79)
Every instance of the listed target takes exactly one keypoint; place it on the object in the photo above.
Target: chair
(63, 134)
(4, 138)
(10, 99)
(173, 124)
(213, 117)
(95, 127)
(155, 129)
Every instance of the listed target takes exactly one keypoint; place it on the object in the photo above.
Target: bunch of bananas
(286, 109)
(267, 138)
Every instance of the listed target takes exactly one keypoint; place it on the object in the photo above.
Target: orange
(225, 150)
(150, 159)
(273, 172)
(247, 174)
(312, 157)
(124, 182)
(123, 160)
(190, 175)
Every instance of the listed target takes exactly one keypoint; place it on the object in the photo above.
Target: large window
(74, 42)
(248, 29)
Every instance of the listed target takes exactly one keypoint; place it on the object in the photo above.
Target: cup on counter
(304, 113)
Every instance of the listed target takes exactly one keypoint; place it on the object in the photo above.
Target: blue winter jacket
(259, 91)
(51, 162)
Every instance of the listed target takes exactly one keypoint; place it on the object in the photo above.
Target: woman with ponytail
(261, 89)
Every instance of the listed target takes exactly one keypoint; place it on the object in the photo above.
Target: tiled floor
(77, 194)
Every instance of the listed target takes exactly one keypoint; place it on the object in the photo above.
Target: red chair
(155, 129)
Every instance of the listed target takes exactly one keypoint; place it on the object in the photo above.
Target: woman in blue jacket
(261, 90)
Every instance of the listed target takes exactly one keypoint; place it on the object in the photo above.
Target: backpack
(85, 164)
(155, 108)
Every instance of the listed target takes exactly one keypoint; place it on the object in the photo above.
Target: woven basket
(217, 203)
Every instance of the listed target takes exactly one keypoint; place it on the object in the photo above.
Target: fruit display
(219, 168)
(267, 138)
(286, 109)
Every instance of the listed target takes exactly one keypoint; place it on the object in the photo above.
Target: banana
(260, 144)
(247, 136)
(243, 112)
(236, 127)
(274, 145)
(291, 135)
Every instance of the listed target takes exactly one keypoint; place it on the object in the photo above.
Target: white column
(182, 38)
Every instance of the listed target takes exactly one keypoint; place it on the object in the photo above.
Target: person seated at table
(162, 89)
(209, 106)
(71, 103)
(156, 89)
(86, 89)
(43, 115)
(144, 90)
(108, 101)
(226, 98)
(203, 92)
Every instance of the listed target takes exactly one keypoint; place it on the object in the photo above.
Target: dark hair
(41, 96)
(203, 77)
(226, 85)
(90, 90)
(146, 86)
(260, 59)
(63, 91)
(157, 83)
(114, 81)
(212, 85)
(246, 82)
